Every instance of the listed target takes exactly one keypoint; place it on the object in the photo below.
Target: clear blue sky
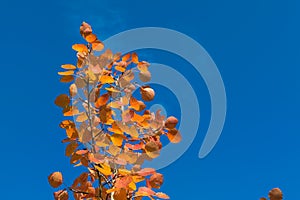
(255, 45)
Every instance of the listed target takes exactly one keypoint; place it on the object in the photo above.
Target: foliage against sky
(113, 133)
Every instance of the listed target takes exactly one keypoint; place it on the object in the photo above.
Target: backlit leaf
(106, 79)
(104, 169)
(80, 48)
(66, 73)
(162, 195)
(117, 139)
(136, 105)
(102, 100)
(97, 45)
(135, 58)
(68, 66)
(90, 38)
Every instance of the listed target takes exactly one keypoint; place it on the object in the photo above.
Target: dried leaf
(147, 93)
(55, 179)
(62, 100)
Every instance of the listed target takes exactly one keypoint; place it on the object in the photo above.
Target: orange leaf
(174, 136)
(136, 105)
(126, 57)
(162, 195)
(61, 195)
(156, 180)
(135, 58)
(106, 79)
(68, 66)
(81, 152)
(66, 73)
(117, 139)
(102, 100)
(146, 172)
(55, 179)
(97, 45)
(90, 38)
(80, 48)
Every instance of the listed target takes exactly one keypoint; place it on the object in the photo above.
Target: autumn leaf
(136, 105)
(156, 180)
(117, 139)
(66, 79)
(106, 79)
(147, 93)
(135, 58)
(146, 172)
(61, 195)
(104, 169)
(68, 66)
(171, 122)
(275, 194)
(72, 146)
(97, 45)
(80, 48)
(161, 195)
(102, 100)
(55, 179)
(62, 100)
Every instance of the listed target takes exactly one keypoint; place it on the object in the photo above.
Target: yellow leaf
(104, 169)
(68, 66)
(115, 129)
(117, 139)
(66, 73)
(106, 79)
(124, 172)
(112, 89)
(120, 68)
(137, 179)
(132, 186)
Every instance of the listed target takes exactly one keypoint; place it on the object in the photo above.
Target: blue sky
(254, 43)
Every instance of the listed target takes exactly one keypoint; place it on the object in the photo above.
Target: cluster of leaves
(112, 133)
(274, 194)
